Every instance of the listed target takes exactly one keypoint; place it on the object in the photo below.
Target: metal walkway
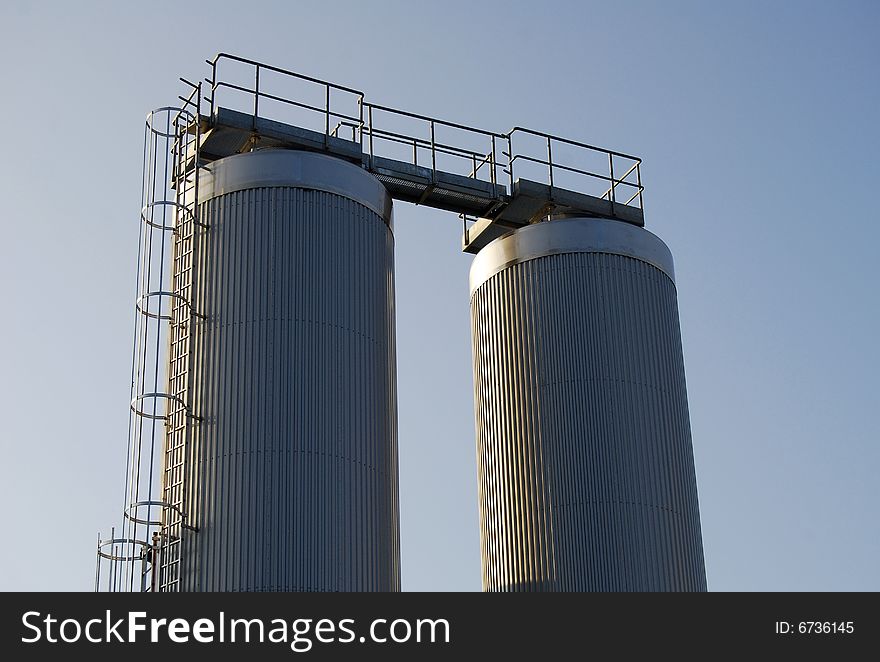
(494, 181)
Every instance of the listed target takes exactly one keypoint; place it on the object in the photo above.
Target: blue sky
(757, 123)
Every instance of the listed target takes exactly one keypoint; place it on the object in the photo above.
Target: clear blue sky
(757, 122)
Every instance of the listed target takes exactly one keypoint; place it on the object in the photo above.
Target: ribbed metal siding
(585, 463)
(294, 468)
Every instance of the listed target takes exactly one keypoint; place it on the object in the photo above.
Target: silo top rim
(295, 169)
(570, 235)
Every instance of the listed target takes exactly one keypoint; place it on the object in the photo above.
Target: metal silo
(292, 475)
(585, 462)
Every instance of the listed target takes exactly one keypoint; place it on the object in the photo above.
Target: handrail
(568, 141)
(426, 118)
(274, 97)
(615, 182)
(287, 72)
(215, 85)
(374, 126)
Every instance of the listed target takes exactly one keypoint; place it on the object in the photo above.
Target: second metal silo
(292, 477)
(585, 462)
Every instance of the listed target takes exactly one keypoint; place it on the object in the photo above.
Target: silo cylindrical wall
(585, 462)
(292, 477)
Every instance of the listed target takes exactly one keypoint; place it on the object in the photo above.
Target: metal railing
(470, 162)
(632, 163)
(217, 83)
(376, 129)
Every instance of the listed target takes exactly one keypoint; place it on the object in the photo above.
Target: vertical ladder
(180, 417)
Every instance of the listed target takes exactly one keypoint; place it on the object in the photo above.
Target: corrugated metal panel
(294, 467)
(585, 462)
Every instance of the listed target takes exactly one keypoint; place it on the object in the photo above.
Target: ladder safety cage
(147, 554)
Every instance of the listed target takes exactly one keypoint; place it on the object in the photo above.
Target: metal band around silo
(571, 235)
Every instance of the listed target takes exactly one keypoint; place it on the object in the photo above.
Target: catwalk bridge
(495, 182)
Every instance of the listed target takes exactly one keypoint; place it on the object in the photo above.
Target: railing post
(213, 84)
(361, 120)
(492, 162)
(327, 111)
(613, 183)
(415, 153)
(510, 161)
(370, 121)
(433, 155)
(639, 182)
(326, 116)
(256, 93)
(550, 161)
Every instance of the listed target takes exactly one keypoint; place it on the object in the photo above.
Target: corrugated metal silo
(292, 481)
(585, 462)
